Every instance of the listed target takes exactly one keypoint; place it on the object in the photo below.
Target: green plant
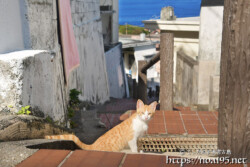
(10, 106)
(74, 99)
(71, 112)
(163, 150)
(24, 110)
(72, 124)
(134, 30)
(74, 103)
(49, 119)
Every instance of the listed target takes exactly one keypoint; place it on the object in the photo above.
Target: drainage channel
(56, 145)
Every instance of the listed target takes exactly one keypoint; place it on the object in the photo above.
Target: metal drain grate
(177, 144)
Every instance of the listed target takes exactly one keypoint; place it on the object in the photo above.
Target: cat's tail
(72, 138)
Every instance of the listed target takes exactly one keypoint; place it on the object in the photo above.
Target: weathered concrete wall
(206, 69)
(30, 78)
(115, 68)
(211, 29)
(211, 33)
(11, 76)
(87, 29)
(43, 85)
(14, 31)
(210, 46)
(91, 76)
(186, 80)
(107, 28)
(115, 22)
(110, 21)
(214, 93)
(106, 16)
(42, 23)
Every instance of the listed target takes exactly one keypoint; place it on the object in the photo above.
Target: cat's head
(145, 112)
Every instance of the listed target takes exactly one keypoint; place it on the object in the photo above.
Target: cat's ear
(140, 104)
(153, 105)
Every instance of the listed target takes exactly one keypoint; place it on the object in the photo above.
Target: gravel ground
(88, 126)
(14, 152)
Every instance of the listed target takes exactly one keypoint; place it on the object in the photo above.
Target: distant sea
(134, 11)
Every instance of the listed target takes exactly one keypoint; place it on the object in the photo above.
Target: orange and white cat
(126, 133)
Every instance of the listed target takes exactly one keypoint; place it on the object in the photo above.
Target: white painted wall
(210, 46)
(13, 26)
(211, 33)
(106, 2)
(118, 85)
(140, 53)
(91, 76)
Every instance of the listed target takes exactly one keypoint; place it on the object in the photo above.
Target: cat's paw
(141, 151)
(134, 150)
